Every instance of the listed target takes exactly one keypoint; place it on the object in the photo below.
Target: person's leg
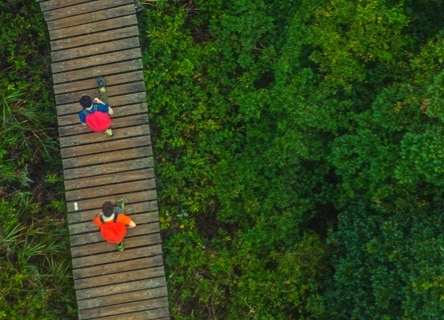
(103, 95)
(121, 203)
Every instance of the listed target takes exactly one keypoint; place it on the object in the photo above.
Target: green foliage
(275, 121)
(387, 264)
(352, 36)
(35, 264)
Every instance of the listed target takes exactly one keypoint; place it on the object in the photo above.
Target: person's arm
(97, 100)
(82, 118)
(96, 219)
(126, 220)
(110, 110)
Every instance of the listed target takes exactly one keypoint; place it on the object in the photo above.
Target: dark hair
(108, 209)
(85, 101)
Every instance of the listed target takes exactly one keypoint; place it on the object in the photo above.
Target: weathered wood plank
(106, 258)
(83, 7)
(150, 304)
(100, 37)
(94, 49)
(115, 188)
(108, 168)
(128, 88)
(117, 267)
(113, 299)
(97, 71)
(92, 27)
(95, 137)
(99, 59)
(158, 314)
(149, 196)
(119, 288)
(119, 177)
(87, 85)
(55, 4)
(110, 145)
(95, 15)
(127, 153)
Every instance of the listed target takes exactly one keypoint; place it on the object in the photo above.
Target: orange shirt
(123, 218)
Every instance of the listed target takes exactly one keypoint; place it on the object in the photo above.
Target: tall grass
(35, 262)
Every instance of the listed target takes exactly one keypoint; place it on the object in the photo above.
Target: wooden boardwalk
(91, 39)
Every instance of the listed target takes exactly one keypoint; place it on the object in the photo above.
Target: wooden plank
(150, 310)
(118, 288)
(128, 88)
(109, 156)
(119, 177)
(115, 188)
(94, 206)
(95, 137)
(113, 299)
(110, 145)
(93, 27)
(97, 38)
(146, 307)
(97, 71)
(84, 7)
(117, 267)
(94, 49)
(111, 80)
(95, 15)
(133, 199)
(109, 257)
(101, 246)
(99, 59)
(118, 100)
(107, 168)
(55, 4)
(158, 314)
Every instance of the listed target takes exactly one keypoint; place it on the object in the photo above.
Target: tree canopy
(299, 159)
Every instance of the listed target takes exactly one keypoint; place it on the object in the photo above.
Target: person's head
(85, 101)
(108, 209)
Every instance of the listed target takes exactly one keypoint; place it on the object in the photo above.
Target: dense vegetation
(299, 159)
(35, 263)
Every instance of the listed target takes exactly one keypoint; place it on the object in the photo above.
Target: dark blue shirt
(95, 107)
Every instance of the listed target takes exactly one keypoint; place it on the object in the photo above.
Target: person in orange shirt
(113, 222)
